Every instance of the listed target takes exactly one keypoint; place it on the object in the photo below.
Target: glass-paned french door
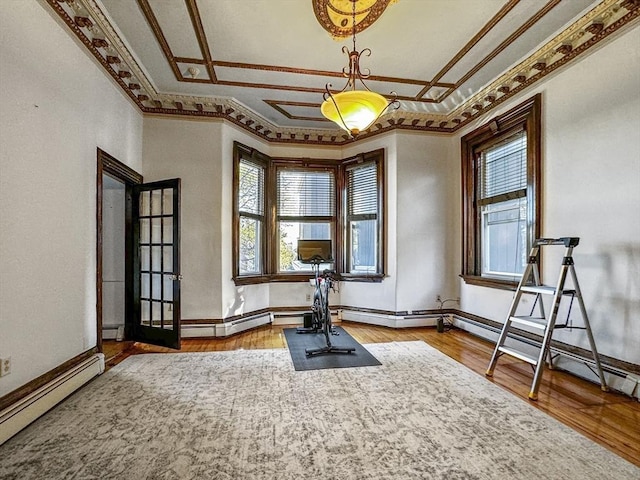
(156, 234)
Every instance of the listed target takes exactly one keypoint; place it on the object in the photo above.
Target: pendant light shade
(355, 110)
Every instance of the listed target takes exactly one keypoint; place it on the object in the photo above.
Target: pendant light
(355, 110)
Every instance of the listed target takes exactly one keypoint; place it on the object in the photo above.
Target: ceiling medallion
(335, 15)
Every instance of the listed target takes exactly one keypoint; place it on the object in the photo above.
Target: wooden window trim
(269, 256)
(242, 152)
(377, 157)
(525, 116)
(278, 166)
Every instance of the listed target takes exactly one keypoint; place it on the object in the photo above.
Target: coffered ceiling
(264, 64)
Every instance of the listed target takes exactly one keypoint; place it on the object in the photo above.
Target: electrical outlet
(308, 297)
(438, 299)
(5, 366)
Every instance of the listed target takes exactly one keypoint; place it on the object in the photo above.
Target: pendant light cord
(353, 16)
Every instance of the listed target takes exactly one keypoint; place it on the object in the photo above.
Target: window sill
(490, 282)
(304, 277)
(250, 280)
(373, 278)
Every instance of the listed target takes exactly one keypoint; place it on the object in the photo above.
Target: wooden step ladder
(530, 284)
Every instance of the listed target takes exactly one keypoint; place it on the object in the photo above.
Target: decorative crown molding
(98, 34)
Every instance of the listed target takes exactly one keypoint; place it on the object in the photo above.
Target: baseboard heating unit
(20, 414)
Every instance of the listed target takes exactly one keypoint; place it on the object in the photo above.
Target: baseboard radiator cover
(20, 414)
(389, 320)
(577, 365)
(229, 328)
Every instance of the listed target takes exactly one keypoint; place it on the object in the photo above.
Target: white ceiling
(270, 59)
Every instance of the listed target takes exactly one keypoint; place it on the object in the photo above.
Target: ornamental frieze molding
(88, 23)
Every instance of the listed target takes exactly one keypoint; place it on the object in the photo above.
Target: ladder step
(535, 322)
(520, 355)
(544, 289)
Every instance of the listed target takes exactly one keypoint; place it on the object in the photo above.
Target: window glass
(306, 210)
(250, 241)
(364, 246)
(306, 193)
(501, 171)
(289, 234)
(251, 207)
(504, 232)
(502, 180)
(362, 218)
(251, 188)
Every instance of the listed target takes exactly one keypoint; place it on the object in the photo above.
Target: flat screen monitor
(314, 251)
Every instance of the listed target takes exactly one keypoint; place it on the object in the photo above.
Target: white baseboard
(572, 365)
(196, 331)
(392, 321)
(17, 416)
(229, 328)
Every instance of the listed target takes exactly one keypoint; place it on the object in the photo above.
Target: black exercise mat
(299, 342)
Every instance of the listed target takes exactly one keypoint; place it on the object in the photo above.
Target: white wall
(426, 226)
(57, 107)
(113, 253)
(591, 189)
(191, 150)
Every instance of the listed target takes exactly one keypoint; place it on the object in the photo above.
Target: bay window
(280, 201)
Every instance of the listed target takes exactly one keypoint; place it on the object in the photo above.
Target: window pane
(156, 258)
(156, 230)
(168, 316)
(503, 167)
(303, 193)
(145, 203)
(144, 258)
(145, 312)
(167, 288)
(167, 230)
(250, 245)
(362, 219)
(289, 233)
(251, 188)
(364, 247)
(167, 259)
(145, 230)
(362, 189)
(167, 201)
(156, 202)
(504, 238)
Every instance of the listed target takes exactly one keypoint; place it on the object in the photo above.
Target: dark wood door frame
(118, 170)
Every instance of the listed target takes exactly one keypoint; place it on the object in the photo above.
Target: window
(249, 213)
(501, 188)
(306, 209)
(280, 201)
(363, 214)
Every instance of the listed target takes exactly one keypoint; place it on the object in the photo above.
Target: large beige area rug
(249, 415)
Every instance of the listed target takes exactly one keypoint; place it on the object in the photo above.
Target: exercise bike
(320, 311)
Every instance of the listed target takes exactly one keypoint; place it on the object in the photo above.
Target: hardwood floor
(610, 419)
